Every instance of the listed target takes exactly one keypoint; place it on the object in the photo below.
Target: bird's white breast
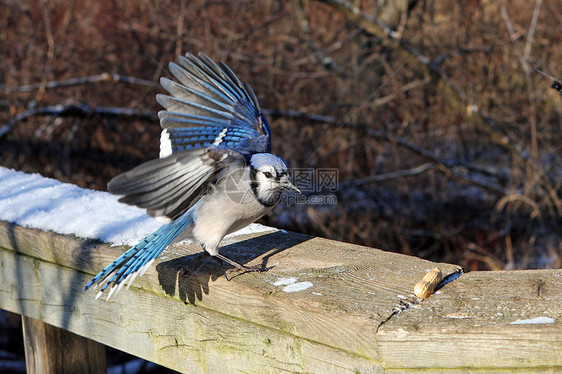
(228, 208)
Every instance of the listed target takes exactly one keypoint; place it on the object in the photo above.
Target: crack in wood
(405, 302)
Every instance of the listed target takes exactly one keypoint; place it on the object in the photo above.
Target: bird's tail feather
(136, 260)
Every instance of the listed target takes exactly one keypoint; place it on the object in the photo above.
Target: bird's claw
(246, 269)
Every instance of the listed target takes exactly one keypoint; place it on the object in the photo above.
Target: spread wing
(212, 121)
(168, 187)
(209, 106)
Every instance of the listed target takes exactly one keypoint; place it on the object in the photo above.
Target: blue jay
(215, 174)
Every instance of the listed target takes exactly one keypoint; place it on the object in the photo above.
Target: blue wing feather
(211, 69)
(209, 99)
(178, 90)
(202, 137)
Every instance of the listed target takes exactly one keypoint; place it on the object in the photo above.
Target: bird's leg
(239, 267)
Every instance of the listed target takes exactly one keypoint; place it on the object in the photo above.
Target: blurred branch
(48, 35)
(547, 75)
(556, 83)
(180, 28)
(301, 115)
(320, 56)
(527, 72)
(392, 175)
(103, 77)
(334, 121)
(548, 184)
(342, 42)
(77, 110)
(441, 166)
(532, 28)
(414, 84)
(363, 20)
(444, 167)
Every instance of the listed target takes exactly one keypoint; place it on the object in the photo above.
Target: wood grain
(471, 324)
(50, 350)
(354, 288)
(185, 315)
(184, 337)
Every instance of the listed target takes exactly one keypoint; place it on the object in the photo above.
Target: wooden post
(49, 349)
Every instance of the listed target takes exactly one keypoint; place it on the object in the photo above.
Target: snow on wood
(32, 200)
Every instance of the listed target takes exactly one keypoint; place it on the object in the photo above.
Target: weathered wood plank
(483, 320)
(50, 350)
(161, 329)
(184, 314)
(354, 289)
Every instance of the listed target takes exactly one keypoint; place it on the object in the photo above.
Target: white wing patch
(163, 219)
(165, 144)
(220, 138)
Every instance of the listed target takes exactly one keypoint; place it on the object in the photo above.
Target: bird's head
(270, 176)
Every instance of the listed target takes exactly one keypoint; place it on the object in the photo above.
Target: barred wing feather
(209, 106)
(168, 187)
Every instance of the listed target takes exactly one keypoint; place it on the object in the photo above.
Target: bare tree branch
(556, 83)
(320, 56)
(527, 72)
(334, 121)
(77, 110)
(103, 77)
(532, 28)
(445, 168)
(392, 39)
(393, 175)
(441, 166)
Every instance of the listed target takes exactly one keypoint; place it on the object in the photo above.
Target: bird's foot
(245, 269)
(239, 268)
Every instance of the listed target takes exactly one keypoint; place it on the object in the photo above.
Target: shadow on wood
(339, 318)
(189, 276)
(81, 253)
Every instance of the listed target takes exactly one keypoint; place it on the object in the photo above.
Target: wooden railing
(325, 307)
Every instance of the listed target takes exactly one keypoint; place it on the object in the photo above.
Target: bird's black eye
(267, 174)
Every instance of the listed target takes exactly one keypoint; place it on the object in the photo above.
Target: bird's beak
(291, 186)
